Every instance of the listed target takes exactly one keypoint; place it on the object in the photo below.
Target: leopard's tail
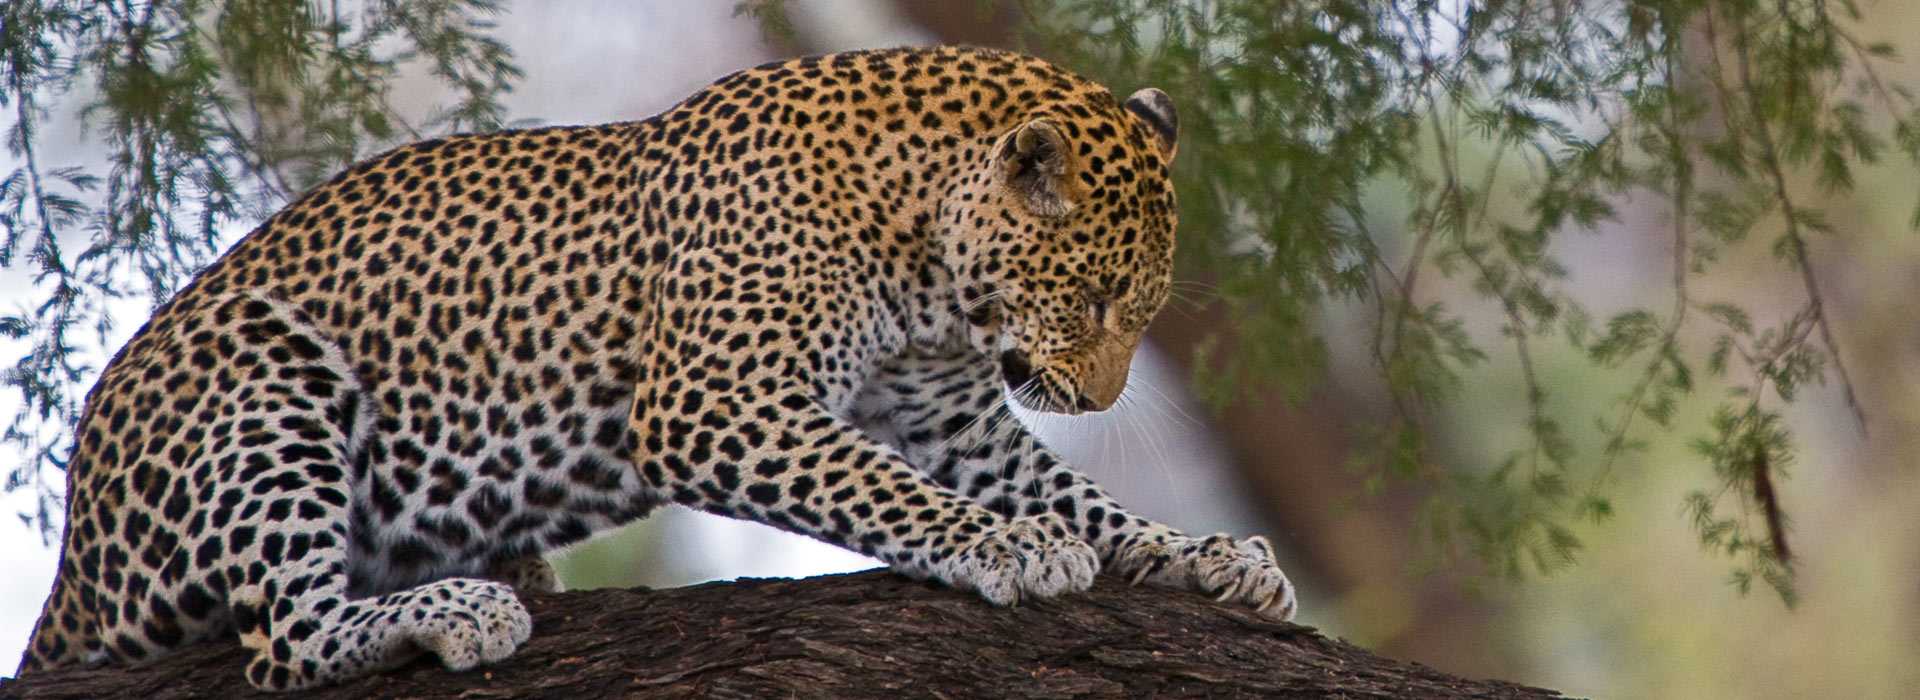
(66, 633)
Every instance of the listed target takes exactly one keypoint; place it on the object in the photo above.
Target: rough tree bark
(862, 635)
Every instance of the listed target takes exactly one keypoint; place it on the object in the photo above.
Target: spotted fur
(795, 298)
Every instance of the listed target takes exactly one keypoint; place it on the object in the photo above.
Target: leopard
(809, 295)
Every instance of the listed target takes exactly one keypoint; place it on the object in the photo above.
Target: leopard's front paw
(1243, 572)
(1028, 558)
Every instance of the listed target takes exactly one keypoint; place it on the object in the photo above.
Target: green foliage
(1508, 125)
(771, 15)
(211, 113)
(1748, 449)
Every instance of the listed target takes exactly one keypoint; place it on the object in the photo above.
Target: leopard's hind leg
(282, 464)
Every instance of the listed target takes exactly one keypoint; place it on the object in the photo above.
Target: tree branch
(863, 635)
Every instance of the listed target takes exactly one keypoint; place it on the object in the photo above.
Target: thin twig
(1516, 323)
(1770, 157)
(1682, 182)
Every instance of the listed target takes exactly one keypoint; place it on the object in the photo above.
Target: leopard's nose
(1016, 368)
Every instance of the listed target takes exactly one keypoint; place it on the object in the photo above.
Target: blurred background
(1645, 611)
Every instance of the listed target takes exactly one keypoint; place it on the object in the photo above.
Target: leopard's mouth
(1041, 389)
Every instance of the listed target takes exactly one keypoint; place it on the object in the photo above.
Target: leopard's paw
(1242, 572)
(468, 622)
(1029, 558)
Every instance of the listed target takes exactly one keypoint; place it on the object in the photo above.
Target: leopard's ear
(1034, 161)
(1156, 109)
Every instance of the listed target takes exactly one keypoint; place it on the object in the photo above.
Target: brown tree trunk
(1293, 459)
(863, 635)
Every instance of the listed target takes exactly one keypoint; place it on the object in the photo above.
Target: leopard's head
(1063, 244)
